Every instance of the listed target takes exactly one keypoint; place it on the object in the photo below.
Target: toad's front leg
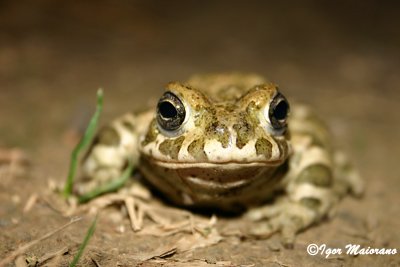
(313, 187)
(114, 146)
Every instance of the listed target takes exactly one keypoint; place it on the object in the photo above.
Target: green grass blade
(85, 141)
(82, 247)
(111, 186)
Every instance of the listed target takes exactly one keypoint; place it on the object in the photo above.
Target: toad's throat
(192, 185)
(223, 179)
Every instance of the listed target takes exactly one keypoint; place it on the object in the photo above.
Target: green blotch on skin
(311, 202)
(196, 149)
(244, 132)
(109, 136)
(252, 110)
(151, 134)
(128, 125)
(171, 147)
(263, 147)
(317, 174)
(203, 116)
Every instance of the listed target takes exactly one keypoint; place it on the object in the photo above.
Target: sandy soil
(341, 58)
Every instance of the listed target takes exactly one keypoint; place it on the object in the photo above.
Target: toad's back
(225, 87)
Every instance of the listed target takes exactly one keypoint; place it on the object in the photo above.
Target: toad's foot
(284, 216)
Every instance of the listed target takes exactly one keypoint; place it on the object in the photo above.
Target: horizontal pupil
(167, 110)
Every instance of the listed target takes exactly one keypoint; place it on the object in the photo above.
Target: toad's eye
(170, 112)
(278, 112)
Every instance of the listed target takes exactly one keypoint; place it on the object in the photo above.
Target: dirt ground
(340, 57)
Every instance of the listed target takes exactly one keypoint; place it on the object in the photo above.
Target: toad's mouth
(228, 165)
(206, 175)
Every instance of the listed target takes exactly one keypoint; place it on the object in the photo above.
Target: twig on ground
(96, 263)
(20, 262)
(30, 202)
(53, 254)
(25, 247)
(136, 224)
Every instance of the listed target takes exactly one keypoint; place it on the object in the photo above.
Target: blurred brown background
(341, 57)
(55, 54)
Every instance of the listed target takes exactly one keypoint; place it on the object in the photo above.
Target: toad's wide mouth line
(175, 164)
(220, 185)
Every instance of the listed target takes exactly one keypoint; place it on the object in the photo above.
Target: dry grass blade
(50, 255)
(162, 251)
(30, 202)
(25, 247)
(20, 262)
(136, 224)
